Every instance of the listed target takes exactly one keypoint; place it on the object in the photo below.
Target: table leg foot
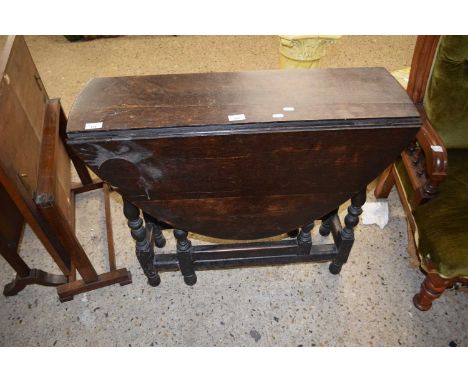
(190, 280)
(36, 276)
(335, 268)
(154, 280)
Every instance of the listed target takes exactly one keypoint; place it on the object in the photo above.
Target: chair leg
(432, 287)
(385, 183)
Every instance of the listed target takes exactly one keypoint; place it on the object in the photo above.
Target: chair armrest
(436, 157)
(426, 163)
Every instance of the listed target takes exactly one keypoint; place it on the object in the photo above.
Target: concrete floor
(368, 304)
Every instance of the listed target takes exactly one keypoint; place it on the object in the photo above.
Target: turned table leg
(184, 256)
(304, 239)
(432, 287)
(144, 238)
(159, 239)
(325, 227)
(347, 233)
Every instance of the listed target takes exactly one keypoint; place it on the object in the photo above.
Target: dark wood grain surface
(209, 98)
(167, 146)
(22, 100)
(22, 108)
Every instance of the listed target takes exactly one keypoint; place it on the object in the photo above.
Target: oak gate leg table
(241, 156)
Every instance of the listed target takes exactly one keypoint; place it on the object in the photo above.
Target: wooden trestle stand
(35, 183)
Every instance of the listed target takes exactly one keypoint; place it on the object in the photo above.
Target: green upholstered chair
(432, 174)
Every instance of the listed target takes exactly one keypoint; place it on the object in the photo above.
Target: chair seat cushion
(442, 223)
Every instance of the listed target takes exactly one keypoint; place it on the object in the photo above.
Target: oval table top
(202, 99)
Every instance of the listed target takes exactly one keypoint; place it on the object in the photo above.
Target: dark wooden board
(22, 109)
(245, 186)
(123, 103)
(11, 223)
(22, 99)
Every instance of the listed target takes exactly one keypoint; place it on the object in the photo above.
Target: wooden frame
(188, 258)
(43, 197)
(11, 229)
(426, 163)
(46, 200)
(194, 168)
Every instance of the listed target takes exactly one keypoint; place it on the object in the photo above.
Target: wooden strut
(122, 276)
(45, 200)
(189, 259)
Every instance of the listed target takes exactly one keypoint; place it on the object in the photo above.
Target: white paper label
(93, 125)
(236, 117)
(437, 149)
(279, 115)
(288, 108)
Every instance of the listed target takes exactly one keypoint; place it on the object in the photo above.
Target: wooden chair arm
(425, 162)
(426, 169)
(435, 154)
